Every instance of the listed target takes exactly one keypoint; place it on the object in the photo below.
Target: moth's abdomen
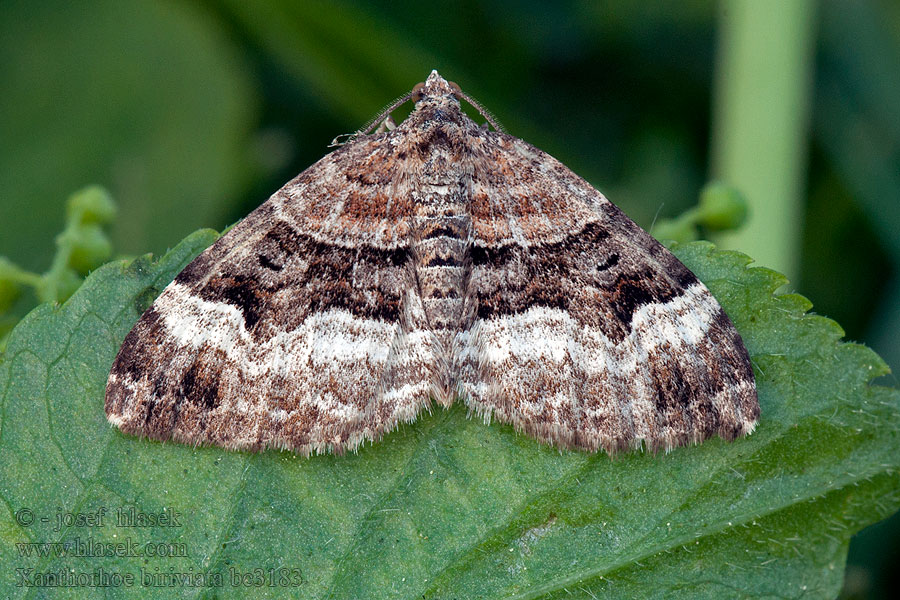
(443, 266)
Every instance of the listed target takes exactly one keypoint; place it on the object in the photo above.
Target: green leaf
(448, 507)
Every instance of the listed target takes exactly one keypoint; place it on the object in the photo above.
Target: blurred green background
(193, 113)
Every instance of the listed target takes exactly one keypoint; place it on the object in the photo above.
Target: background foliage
(192, 113)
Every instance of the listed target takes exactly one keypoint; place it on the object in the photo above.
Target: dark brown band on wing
(301, 276)
(591, 274)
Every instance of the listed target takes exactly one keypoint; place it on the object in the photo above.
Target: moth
(435, 261)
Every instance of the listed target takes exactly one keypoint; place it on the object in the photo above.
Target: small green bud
(9, 293)
(9, 286)
(679, 230)
(721, 208)
(90, 248)
(91, 205)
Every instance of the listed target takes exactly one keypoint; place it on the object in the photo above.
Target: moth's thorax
(437, 119)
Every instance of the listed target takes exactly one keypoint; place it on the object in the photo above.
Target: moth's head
(437, 97)
(436, 91)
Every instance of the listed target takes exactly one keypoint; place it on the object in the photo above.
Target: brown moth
(435, 261)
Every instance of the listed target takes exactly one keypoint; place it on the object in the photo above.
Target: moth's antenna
(383, 114)
(488, 116)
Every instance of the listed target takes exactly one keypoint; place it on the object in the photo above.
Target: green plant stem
(760, 122)
(19, 275)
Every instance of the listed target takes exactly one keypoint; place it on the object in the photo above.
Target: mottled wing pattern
(589, 333)
(435, 260)
(296, 329)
